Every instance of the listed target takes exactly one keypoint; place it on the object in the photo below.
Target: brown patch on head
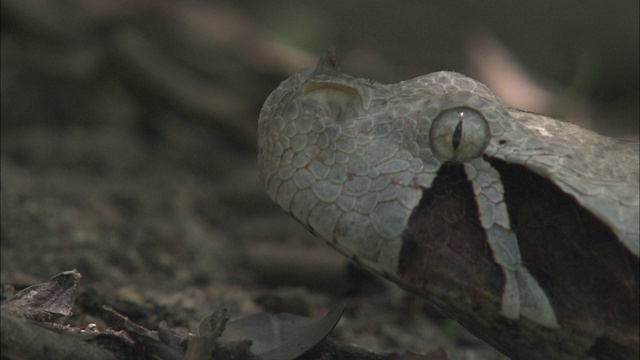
(444, 246)
(589, 276)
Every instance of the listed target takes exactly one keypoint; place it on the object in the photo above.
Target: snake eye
(459, 134)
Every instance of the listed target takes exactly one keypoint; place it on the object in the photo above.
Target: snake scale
(521, 227)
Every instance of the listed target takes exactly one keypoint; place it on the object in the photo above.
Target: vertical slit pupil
(457, 136)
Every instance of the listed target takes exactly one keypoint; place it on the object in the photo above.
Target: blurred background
(128, 135)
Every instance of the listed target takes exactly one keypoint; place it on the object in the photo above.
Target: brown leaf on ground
(46, 301)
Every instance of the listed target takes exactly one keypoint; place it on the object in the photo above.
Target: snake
(521, 227)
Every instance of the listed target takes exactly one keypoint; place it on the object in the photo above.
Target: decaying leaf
(43, 302)
(24, 339)
(282, 336)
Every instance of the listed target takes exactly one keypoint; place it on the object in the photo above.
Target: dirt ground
(128, 152)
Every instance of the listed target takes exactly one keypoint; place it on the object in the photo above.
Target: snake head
(438, 186)
(349, 157)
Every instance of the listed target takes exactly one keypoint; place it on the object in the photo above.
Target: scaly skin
(523, 228)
